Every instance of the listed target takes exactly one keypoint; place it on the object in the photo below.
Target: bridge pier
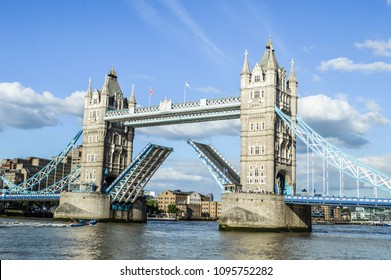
(263, 212)
(136, 214)
(82, 205)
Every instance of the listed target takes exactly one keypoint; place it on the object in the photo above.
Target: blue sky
(50, 49)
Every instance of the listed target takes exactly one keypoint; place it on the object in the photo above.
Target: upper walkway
(168, 113)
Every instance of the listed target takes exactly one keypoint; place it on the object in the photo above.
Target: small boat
(81, 223)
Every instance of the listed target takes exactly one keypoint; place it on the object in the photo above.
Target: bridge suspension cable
(334, 156)
(29, 184)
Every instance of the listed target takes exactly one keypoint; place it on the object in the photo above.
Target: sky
(342, 52)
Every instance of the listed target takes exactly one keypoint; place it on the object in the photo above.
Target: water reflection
(47, 239)
(265, 246)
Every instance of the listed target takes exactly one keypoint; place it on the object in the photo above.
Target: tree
(172, 208)
(152, 205)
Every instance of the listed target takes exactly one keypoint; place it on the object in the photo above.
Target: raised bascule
(109, 183)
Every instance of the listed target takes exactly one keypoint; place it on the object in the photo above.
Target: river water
(45, 239)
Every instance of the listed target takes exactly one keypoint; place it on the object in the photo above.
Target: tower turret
(245, 75)
(132, 101)
(292, 90)
(89, 90)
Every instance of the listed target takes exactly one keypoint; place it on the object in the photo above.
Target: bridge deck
(339, 201)
(221, 169)
(29, 197)
(130, 183)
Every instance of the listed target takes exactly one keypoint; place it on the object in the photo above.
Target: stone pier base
(137, 214)
(262, 212)
(79, 205)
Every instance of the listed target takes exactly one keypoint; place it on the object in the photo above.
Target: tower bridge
(260, 196)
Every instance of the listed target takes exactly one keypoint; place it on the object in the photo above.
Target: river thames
(45, 239)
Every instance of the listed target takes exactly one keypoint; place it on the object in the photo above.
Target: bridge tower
(107, 150)
(107, 147)
(268, 147)
(268, 153)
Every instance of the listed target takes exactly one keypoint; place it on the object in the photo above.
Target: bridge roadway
(339, 201)
(29, 197)
(289, 199)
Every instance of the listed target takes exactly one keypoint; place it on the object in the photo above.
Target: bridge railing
(341, 201)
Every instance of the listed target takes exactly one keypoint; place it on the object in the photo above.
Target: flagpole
(184, 92)
(150, 94)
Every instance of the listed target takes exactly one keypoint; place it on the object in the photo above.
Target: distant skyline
(50, 49)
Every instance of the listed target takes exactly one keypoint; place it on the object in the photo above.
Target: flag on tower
(151, 91)
(187, 85)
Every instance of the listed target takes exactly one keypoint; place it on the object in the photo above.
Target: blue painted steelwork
(63, 183)
(130, 183)
(29, 197)
(42, 174)
(339, 201)
(223, 171)
(343, 162)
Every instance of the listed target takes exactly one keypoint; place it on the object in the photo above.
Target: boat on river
(82, 223)
(160, 218)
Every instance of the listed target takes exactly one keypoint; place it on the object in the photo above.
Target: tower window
(257, 78)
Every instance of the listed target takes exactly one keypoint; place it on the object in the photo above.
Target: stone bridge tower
(268, 153)
(107, 147)
(268, 147)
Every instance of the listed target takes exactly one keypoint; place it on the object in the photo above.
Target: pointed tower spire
(112, 73)
(292, 75)
(132, 100)
(269, 60)
(89, 90)
(246, 67)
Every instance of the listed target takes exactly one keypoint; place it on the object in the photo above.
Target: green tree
(172, 208)
(152, 205)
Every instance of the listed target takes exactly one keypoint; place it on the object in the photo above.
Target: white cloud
(194, 130)
(21, 107)
(379, 47)
(140, 76)
(184, 175)
(345, 64)
(173, 174)
(306, 49)
(381, 163)
(339, 121)
(208, 89)
(316, 78)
